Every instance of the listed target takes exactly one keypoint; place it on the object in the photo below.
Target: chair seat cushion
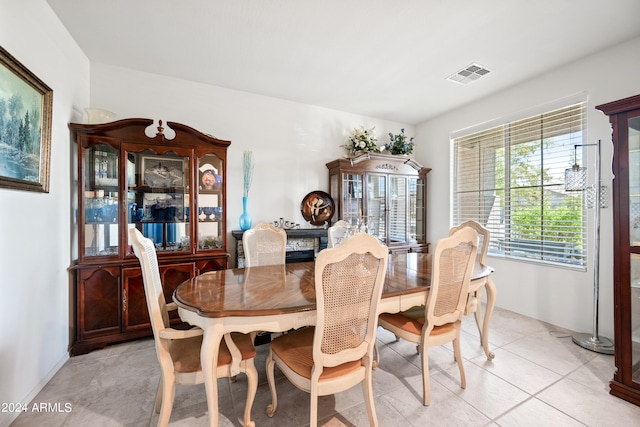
(296, 350)
(185, 353)
(412, 324)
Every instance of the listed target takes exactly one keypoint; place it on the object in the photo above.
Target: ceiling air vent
(469, 74)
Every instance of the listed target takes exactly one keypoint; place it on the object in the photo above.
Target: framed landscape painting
(25, 127)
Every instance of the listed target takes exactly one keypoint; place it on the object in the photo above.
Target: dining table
(278, 298)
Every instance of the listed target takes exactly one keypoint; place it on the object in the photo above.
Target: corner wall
(291, 142)
(559, 296)
(36, 227)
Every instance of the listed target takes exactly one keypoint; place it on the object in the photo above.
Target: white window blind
(510, 178)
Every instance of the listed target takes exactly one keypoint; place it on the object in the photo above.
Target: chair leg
(252, 387)
(376, 359)
(367, 388)
(313, 410)
(458, 356)
(271, 409)
(159, 395)
(168, 391)
(425, 375)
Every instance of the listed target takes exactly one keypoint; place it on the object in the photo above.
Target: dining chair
(178, 351)
(441, 319)
(337, 232)
(336, 354)
(474, 300)
(264, 244)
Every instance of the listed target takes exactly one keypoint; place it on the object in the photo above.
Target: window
(510, 178)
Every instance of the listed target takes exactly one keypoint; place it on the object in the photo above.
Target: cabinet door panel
(172, 276)
(98, 302)
(135, 312)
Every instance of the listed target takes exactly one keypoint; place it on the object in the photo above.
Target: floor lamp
(575, 179)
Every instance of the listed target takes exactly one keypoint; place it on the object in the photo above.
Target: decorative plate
(317, 207)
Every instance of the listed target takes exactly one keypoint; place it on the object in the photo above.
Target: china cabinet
(169, 184)
(384, 194)
(624, 116)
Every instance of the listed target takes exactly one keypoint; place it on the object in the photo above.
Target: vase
(245, 218)
(98, 115)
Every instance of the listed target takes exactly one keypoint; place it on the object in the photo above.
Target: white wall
(560, 296)
(35, 227)
(291, 142)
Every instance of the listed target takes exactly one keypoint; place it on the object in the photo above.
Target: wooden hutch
(624, 116)
(171, 188)
(385, 193)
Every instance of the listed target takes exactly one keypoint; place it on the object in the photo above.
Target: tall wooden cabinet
(624, 116)
(168, 183)
(385, 193)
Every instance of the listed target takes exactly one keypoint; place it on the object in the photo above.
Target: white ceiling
(379, 58)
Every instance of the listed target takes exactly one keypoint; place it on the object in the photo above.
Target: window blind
(510, 178)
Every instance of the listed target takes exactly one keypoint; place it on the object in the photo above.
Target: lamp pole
(593, 341)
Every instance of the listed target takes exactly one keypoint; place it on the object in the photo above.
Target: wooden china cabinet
(171, 188)
(624, 116)
(385, 193)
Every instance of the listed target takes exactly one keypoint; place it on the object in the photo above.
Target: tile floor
(538, 378)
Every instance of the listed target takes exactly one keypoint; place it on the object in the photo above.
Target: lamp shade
(575, 178)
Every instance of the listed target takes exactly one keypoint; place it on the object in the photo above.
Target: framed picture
(162, 172)
(25, 127)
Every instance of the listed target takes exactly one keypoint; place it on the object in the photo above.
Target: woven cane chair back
(264, 244)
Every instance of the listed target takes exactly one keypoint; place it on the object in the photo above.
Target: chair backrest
(453, 262)
(264, 244)
(337, 232)
(349, 280)
(156, 304)
(483, 238)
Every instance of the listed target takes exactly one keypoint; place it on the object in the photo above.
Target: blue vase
(245, 218)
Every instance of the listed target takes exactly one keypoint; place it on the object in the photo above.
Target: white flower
(361, 140)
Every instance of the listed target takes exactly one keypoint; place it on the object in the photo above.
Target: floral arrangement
(399, 144)
(361, 140)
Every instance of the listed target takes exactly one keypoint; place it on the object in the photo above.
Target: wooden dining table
(282, 297)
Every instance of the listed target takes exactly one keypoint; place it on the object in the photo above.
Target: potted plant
(399, 144)
(361, 141)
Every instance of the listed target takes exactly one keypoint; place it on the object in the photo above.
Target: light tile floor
(538, 378)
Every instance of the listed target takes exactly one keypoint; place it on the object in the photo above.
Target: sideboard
(303, 244)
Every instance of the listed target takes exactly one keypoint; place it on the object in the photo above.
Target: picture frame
(162, 172)
(25, 127)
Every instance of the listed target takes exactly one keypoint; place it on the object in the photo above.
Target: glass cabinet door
(210, 202)
(634, 239)
(398, 210)
(417, 208)
(376, 220)
(101, 200)
(157, 194)
(351, 198)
